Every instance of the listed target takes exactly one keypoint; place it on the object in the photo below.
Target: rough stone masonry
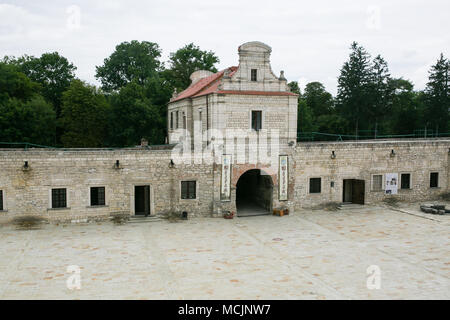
(64, 185)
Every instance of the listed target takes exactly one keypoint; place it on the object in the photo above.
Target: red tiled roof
(202, 84)
(258, 93)
(211, 85)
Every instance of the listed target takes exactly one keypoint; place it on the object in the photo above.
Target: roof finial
(175, 93)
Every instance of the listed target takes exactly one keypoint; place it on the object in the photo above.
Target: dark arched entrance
(254, 191)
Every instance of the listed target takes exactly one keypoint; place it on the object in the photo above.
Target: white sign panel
(391, 183)
(225, 190)
(283, 178)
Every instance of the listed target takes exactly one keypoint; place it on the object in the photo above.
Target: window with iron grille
(315, 185)
(434, 180)
(257, 120)
(97, 196)
(1, 200)
(176, 120)
(405, 181)
(254, 75)
(188, 189)
(377, 182)
(59, 198)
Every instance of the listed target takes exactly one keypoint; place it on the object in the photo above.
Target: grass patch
(445, 196)
(328, 206)
(28, 222)
(172, 216)
(392, 201)
(120, 218)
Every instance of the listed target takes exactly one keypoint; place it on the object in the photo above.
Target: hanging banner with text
(391, 183)
(225, 190)
(283, 178)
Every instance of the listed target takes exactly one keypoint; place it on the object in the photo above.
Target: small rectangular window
(257, 120)
(188, 190)
(405, 182)
(184, 120)
(1, 200)
(97, 196)
(176, 120)
(171, 120)
(377, 182)
(254, 75)
(59, 198)
(315, 185)
(434, 179)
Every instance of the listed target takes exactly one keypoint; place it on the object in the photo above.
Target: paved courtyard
(307, 255)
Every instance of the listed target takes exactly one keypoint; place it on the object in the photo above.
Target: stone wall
(28, 191)
(361, 160)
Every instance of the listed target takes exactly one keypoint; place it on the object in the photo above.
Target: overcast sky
(310, 39)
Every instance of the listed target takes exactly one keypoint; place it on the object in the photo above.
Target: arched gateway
(254, 193)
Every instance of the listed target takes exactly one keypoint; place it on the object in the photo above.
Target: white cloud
(310, 40)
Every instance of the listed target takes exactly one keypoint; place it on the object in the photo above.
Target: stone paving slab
(306, 255)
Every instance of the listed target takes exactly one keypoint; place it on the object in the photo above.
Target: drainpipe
(207, 120)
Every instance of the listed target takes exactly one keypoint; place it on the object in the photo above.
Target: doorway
(254, 192)
(142, 200)
(353, 191)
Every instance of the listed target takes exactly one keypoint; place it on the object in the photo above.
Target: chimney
(198, 75)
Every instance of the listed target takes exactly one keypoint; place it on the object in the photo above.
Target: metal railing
(28, 145)
(321, 136)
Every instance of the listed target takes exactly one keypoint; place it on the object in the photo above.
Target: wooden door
(358, 191)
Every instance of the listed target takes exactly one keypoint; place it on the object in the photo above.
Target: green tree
(437, 96)
(53, 71)
(354, 94)
(24, 114)
(381, 95)
(294, 87)
(15, 84)
(305, 117)
(131, 61)
(331, 123)
(31, 121)
(187, 60)
(406, 108)
(135, 117)
(318, 99)
(84, 116)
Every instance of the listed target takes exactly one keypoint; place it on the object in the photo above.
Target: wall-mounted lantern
(117, 165)
(26, 166)
(392, 153)
(171, 164)
(333, 155)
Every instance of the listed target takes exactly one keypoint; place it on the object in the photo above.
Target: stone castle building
(232, 147)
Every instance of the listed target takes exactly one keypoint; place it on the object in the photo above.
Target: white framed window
(254, 75)
(188, 189)
(58, 198)
(97, 196)
(377, 182)
(256, 120)
(405, 181)
(434, 179)
(315, 185)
